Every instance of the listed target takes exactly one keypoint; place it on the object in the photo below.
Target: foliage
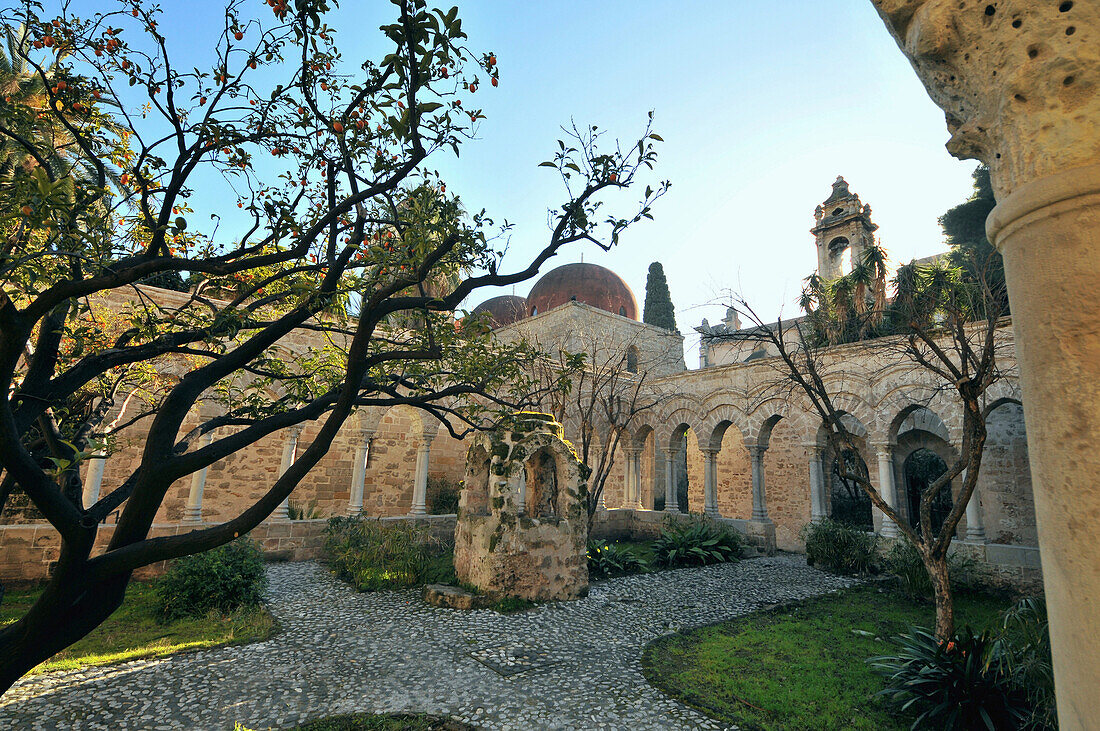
(607, 559)
(442, 496)
(798, 667)
(658, 309)
(953, 684)
(904, 562)
(138, 630)
(123, 165)
(696, 542)
(224, 579)
(839, 547)
(377, 556)
(304, 511)
(1023, 651)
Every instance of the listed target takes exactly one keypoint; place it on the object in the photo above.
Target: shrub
(952, 685)
(840, 548)
(376, 556)
(1023, 651)
(904, 562)
(696, 542)
(224, 579)
(613, 559)
(303, 511)
(443, 496)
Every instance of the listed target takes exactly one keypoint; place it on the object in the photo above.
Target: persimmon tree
(286, 181)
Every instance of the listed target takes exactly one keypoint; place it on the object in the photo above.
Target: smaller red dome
(503, 310)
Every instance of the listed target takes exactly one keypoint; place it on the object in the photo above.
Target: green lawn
(134, 632)
(800, 667)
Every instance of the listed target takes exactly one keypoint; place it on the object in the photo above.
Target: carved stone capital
(1017, 79)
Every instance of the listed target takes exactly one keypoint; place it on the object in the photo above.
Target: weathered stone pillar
(359, 472)
(710, 481)
(759, 497)
(93, 483)
(1018, 82)
(885, 454)
(671, 505)
(290, 453)
(594, 456)
(818, 510)
(636, 478)
(975, 529)
(420, 484)
(192, 512)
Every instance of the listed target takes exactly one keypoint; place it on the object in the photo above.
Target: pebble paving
(570, 665)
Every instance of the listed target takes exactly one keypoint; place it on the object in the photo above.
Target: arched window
(622, 311)
(849, 503)
(534, 311)
(541, 485)
(632, 359)
(922, 468)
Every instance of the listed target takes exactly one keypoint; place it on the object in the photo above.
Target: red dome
(588, 283)
(503, 310)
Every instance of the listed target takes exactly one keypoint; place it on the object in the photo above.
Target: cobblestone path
(573, 665)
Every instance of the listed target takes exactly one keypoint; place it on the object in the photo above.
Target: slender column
(359, 472)
(94, 481)
(671, 506)
(759, 495)
(818, 511)
(636, 472)
(975, 530)
(521, 498)
(420, 486)
(192, 512)
(602, 503)
(710, 481)
(290, 453)
(886, 487)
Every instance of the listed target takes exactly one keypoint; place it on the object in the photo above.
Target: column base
(192, 515)
(976, 535)
(712, 512)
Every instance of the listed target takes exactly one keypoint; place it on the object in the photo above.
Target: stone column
(818, 509)
(759, 496)
(359, 472)
(1019, 90)
(290, 453)
(93, 482)
(192, 512)
(595, 458)
(975, 530)
(420, 484)
(636, 472)
(885, 454)
(710, 482)
(671, 506)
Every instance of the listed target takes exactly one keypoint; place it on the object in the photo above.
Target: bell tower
(843, 230)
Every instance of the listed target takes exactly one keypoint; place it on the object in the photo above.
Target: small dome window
(534, 311)
(838, 211)
(573, 298)
(622, 311)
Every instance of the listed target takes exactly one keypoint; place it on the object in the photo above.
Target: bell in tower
(842, 232)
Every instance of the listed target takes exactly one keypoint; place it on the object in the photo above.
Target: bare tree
(945, 323)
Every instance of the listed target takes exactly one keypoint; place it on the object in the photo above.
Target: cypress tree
(658, 308)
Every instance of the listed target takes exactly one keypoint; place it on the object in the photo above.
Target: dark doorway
(849, 503)
(921, 469)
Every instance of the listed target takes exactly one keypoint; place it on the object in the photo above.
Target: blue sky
(761, 105)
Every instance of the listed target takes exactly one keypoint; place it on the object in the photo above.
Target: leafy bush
(957, 684)
(1023, 651)
(375, 556)
(303, 511)
(903, 561)
(696, 543)
(443, 495)
(613, 559)
(224, 579)
(840, 548)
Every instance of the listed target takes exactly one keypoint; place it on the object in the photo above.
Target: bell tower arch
(843, 230)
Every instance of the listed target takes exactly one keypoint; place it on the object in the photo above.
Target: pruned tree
(658, 310)
(321, 155)
(947, 321)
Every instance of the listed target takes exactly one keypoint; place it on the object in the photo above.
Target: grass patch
(801, 666)
(134, 631)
